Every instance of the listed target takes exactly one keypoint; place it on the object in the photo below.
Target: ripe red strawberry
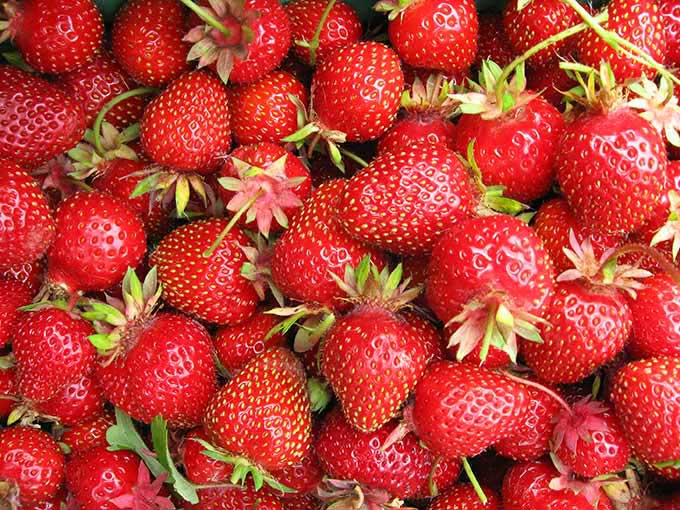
(417, 128)
(403, 201)
(264, 182)
(200, 468)
(263, 111)
(670, 14)
(31, 466)
(147, 41)
(303, 477)
(237, 498)
(646, 397)
(95, 84)
(51, 350)
(73, 404)
(402, 469)
(259, 39)
(30, 274)
(460, 410)
(238, 344)
(14, 294)
(314, 246)
(88, 434)
(429, 334)
(341, 27)
(535, 23)
(493, 43)
(552, 81)
(8, 388)
(553, 223)
(55, 36)
(263, 412)
(527, 486)
(40, 121)
(638, 22)
(187, 126)
(436, 34)
(94, 252)
(656, 318)
(464, 497)
(218, 293)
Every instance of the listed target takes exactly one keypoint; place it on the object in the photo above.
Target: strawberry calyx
(579, 423)
(9, 20)
(597, 89)
(350, 495)
(26, 415)
(319, 394)
(393, 8)
(225, 36)
(590, 489)
(167, 185)
(56, 175)
(625, 493)
(9, 495)
(431, 97)
(658, 105)
(89, 161)
(258, 267)
(316, 321)
(405, 426)
(145, 493)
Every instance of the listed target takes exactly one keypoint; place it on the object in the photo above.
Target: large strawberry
(460, 410)
(403, 201)
(147, 41)
(55, 36)
(39, 120)
(31, 466)
(435, 34)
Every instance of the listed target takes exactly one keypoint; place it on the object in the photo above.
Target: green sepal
(182, 195)
(302, 133)
(103, 343)
(319, 394)
(146, 185)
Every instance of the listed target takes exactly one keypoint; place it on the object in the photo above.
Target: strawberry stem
(540, 387)
(230, 225)
(473, 480)
(653, 253)
(353, 157)
(314, 44)
(205, 16)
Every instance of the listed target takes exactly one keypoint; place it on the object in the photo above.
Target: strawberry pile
(263, 255)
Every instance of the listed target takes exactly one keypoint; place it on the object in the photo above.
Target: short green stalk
(205, 16)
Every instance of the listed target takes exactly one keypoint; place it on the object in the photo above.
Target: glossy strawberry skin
(460, 410)
(75, 403)
(263, 412)
(303, 477)
(493, 43)
(357, 90)
(646, 397)
(348, 454)
(516, 150)
(201, 469)
(8, 388)
(186, 127)
(29, 273)
(94, 252)
(218, 293)
(14, 294)
(237, 498)
(315, 245)
(88, 434)
(600, 170)
(40, 121)
(262, 111)
(436, 34)
(147, 41)
(414, 129)
(670, 13)
(342, 27)
(56, 36)
(464, 497)
(51, 350)
(31, 460)
(403, 201)
(167, 371)
(95, 84)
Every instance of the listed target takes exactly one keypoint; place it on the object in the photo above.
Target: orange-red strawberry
(464, 497)
(55, 36)
(147, 41)
(39, 120)
(13, 294)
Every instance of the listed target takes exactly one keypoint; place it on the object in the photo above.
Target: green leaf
(472, 108)
(101, 342)
(159, 436)
(182, 195)
(124, 436)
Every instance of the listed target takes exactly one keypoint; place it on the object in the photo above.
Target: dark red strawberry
(13, 295)
(403, 201)
(464, 497)
(31, 466)
(55, 36)
(94, 252)
(89, 434)
(263, 111)
(147, 41)
(436, 34)
(552, 81)
(8, 391)
(51, 350)
(341, 26)
(670, 14)
(75, 403)
(303, 477)
(40, 121)
(460, 410)
(493, 43)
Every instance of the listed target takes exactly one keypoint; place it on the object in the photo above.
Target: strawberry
(552, 81)
(460, 410)
(403, 201)
(55, 36)
(238, 344)
(670, 14)
(464, 497)
(263, 412)
(417, 128)
(88, 434)
(237, 498)
(31, 466)
(402, 468)
(314, 246)
(263, 111)
(200, 468)
(265, 183)
(340, 26)
(14, 294)
(95, 252)
(147, 41)
(95, 84)
(30, 274)
(647, 402)
(436, 34)
(186, 127)
(218, 293)
(655, 318)
(75, 403)
(8, 391)
(51, 350)
(303, 477)
(493, 43)
(40, 121)
(429, 334)
(589, 440)
(638, 22)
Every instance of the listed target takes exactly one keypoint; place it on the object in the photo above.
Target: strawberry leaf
(124, 436)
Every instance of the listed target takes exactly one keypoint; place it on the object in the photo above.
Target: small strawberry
(14, 295)
(31, 466)
(493, 43)
(40, 121)
(88, 434)
(670, 14)
(147, 41)
(464, 497)
(55, 36)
